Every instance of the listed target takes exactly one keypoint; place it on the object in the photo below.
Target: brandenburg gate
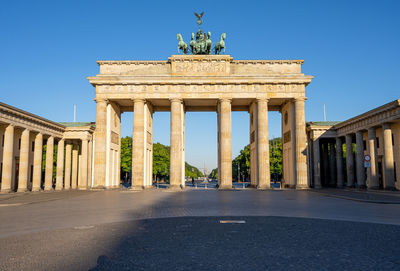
(186, 83)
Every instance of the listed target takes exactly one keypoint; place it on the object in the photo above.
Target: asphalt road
(162, 230)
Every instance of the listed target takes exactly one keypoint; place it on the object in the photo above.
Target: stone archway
(200, 83)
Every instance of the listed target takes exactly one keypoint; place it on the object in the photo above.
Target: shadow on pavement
(262, 243)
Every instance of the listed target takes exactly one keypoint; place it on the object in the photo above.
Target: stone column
(60, 165)
(325, 162)
(84, 166)
(74, 177)
(372, 171)
(349, 161)
(388, 162)
(24, 162)
(8, 157)
(360, 160)
(138, 145)
(301, 144)
(264, 177)
(100, 135)
(37, 163)
(68, 154)
(48, 177)
(176, 143)
(317, 164)
(90, 147)
(226, 144)
(332, 165)
(339, 162)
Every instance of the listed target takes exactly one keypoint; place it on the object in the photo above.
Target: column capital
(263, 99)
(300, 99)
(101, 100)
(387, 125)
(137, 100)
(177, 100)
(226, 100)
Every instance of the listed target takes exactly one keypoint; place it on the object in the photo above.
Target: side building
(27, 138)
(362, 152)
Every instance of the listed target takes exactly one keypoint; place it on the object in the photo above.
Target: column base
(82, 188)
(263, 187)
(301, 187)
(48, 189)
(36, 189)
(175, 187)
(373, 188)
(100, 187)
(5, 191)
(22, 190)
(136, 188)
(225, 187)
(58, 189)
(390, 188)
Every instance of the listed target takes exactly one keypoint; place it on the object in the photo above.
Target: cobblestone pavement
(381, 197)
(163, 230)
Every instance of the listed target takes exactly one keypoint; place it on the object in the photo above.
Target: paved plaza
(162, 230)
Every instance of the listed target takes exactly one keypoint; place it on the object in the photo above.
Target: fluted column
(339, 163)
(37, 163)
(176, 143)
(90, 153)
(68, 156)
(225, 143)
(60, 165)
(48, 181)
(388, 159)
(372, 171)
(317, 164)
(23, 162)
(349, 161)
(8, 156)
(74, 177)
(84, 166)
(360, 160)
(138, 145)
(100, 135)
(332, 164)
(264, 177)
(301, 143)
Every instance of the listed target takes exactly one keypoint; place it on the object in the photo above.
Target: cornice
(198, 80)
(296, 61)
(132, 62)
(389, 108)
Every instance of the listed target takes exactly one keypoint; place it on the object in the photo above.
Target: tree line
(160, 161)
(241, 164)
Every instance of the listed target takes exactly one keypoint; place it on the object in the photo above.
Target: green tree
(126, 154)
(242, 161)
(192, 171)
(213, 174)
(161, 160)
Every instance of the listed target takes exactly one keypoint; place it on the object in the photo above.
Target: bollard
(206, 186)
(195, 185)
(244, 186)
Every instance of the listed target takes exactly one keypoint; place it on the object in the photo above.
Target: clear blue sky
(47, 48)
